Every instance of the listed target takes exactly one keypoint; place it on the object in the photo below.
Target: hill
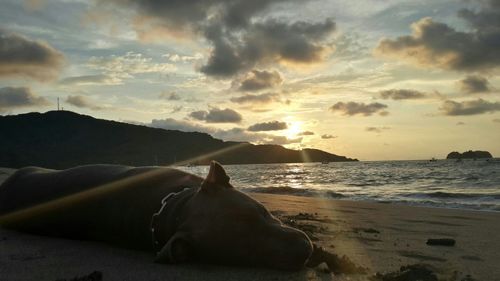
(61, 139)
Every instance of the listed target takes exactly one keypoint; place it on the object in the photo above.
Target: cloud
(306, 133)
(89, 80)
(266, 42)
(460, 123)
(268, 126)
(257, 99)
(473, 84)
(180, 125)
(216, 115)
(240, 36)
(327, 136)
(259, 80)
(401, 94)
(496, 120)
(184, 59)
(234, 134)
(280, 140)
(377, 129)
(171, 96)
(435, 44)
(473, 107)
(23, 57)
(15, 97)
(82, 102)
(353, 108)
(176, 109)
(123, 67)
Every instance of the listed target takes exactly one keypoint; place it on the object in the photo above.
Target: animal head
(220, 224)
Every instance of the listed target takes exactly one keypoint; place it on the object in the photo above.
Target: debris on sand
(441, 242)
(365, 230)
(311, 228)
(94, 276)
(336, 264)
(414, 272)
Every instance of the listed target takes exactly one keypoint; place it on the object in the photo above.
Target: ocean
(469, 184)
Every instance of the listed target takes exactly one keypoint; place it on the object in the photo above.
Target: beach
(380, 237)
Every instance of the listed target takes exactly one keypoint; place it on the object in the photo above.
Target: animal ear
(177, 250)
(216, 175)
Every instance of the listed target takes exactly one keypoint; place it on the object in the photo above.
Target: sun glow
(294, 128)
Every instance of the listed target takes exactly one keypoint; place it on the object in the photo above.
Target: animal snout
(297, 248)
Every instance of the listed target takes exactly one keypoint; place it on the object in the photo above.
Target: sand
(380, 237)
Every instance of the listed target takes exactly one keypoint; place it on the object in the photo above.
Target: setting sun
(294, 128)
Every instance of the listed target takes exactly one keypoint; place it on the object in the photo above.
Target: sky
(368, 79)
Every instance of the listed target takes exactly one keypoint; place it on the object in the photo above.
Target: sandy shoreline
(381, 237)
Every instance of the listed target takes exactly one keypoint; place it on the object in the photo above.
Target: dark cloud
(257, 99)
(259, 80)
(268, 126)
(87, 80)
(240, 36)
(460, 123)
(327, 136)
(193, 14)
(496, 120)
(473, 84)
(377, 129)
(172, 96)
(306, 133)
(264, 43)
(401, 94)
(353, 108)
(20, 56)
(436, 44)
(473, 107)
(82, 102)
(15, 97)
(216, 115)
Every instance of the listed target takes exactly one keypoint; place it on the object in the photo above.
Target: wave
(287, 190)
(456, 195)
(441, 199)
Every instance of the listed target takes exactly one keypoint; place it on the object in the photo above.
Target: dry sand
(381, 237)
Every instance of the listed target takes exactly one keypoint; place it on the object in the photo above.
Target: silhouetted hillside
(61, 139)
(469, 155)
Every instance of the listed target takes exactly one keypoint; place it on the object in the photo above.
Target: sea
(466, 184)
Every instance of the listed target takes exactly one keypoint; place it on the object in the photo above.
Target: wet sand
(380, 237)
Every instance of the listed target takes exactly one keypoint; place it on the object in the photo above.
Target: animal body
(179, 216)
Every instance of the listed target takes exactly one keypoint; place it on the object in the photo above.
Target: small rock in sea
(94, 276)
(441, 242)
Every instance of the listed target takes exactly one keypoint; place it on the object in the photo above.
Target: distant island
(62, 139)
(469, 155)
